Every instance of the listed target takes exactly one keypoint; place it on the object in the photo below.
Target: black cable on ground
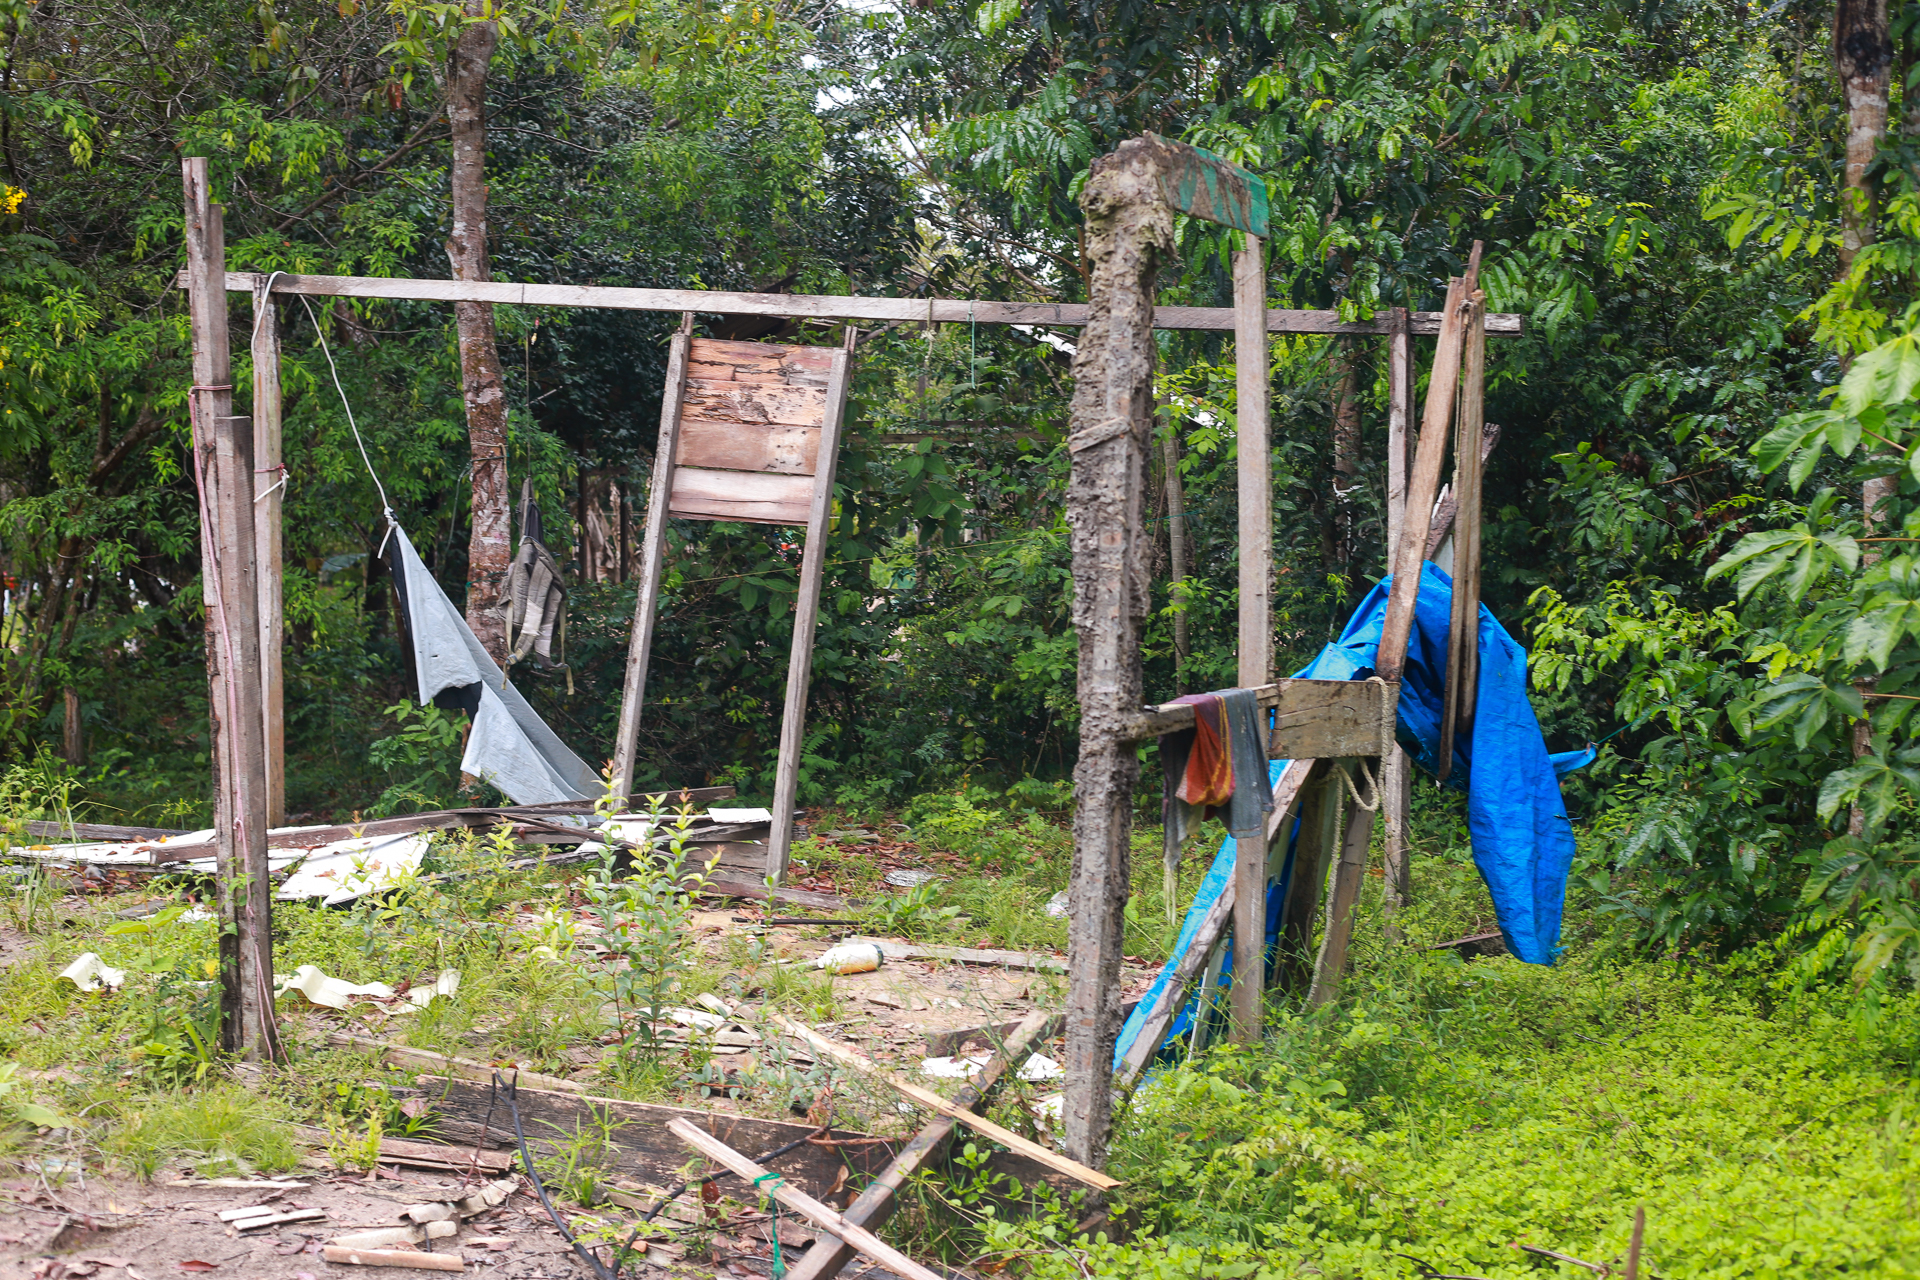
(526, 1158)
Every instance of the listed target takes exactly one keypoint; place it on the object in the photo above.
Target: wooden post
(223, 470)
(653, 549)
(1256, 612)
(1313, 847)
(1129, 231)
(1424, 483)
(806, 615)
(1463, 632)
(1395, 769)
(1344, 892)
(1177, 550)
(270, 474)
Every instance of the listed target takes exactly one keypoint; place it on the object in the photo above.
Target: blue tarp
(1522, 841)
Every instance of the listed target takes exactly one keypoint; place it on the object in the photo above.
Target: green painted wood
(1203, 185)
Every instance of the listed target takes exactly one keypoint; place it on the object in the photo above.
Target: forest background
(1712, 235)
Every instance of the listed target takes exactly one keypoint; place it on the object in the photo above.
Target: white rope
(385, 506)
(1373, 785)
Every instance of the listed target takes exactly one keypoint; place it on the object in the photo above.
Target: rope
(773, 1222)
(1373, 785)
(326, 351)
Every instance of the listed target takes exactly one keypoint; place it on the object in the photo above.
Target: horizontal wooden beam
(1314, 719)
(1068, 315)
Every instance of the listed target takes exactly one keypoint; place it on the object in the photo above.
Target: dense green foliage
(1673, 514)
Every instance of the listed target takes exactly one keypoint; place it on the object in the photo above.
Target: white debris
(741, 815)
(328, 992)
(954, 1068)
(1041, 1067)
(447, 984)
(1057, 906)
(348, 869)
(851, 957)
(698, 1019)
(89, 974)
(908, 878)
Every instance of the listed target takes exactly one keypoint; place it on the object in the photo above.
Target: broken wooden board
(750, 426)
(1203, 185)
(1314, 719)
(1035, 961)
(643, 1150)
(401, 1055)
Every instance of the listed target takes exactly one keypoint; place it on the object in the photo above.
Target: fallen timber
(641, 1148)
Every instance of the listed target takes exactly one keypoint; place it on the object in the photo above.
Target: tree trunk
(1128, 233)
(1863, 60)
(1346, 454)
(490, 548)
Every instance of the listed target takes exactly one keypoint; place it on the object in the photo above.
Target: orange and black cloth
(1200, 766)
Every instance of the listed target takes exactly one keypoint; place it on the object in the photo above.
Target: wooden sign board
(1202, 185)
(749, 440)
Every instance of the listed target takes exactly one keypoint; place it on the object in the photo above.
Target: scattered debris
(332, 993)
(415, 1258)
(381, 1237)
(852, 957)
(346, 870)
(266, 1216)
(1057, 906)
(909, 878)
(89, 974)
(799, 1201)
(934, 1102)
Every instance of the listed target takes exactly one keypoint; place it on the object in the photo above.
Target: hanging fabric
(535, 600)
(509, 745)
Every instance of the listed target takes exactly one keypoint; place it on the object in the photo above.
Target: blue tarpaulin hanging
(1522, 840)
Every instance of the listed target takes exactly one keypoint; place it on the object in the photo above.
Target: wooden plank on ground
(876, 1203)
(934, 1102)
(829, 1220)
(753, 497)
(1068, 315)
(1036, 961)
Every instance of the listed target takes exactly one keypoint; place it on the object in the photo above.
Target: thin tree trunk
(491, 547)
(1346, 454)
(1863, 60)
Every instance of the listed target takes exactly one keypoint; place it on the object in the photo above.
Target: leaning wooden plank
(1343, 896)
(934, 1102)
(1071, 315)
(1213, 926)
(401, 1055)
(753, 497)
(876, 1203)
(418, 1259)
(800, 1202)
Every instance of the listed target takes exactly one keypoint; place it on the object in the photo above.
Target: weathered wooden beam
(1314, 719)
(1128, 233)
(1065, 315)
(1344, 892)
(1395, 775)
(1463, 631)
(806, 614)
(653, 553)
(270, 488)
(223, 472)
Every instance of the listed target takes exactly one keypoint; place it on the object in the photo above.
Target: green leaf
(1886, 375)
(45, 1117)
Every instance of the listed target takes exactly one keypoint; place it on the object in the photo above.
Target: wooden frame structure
(1339, 721)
